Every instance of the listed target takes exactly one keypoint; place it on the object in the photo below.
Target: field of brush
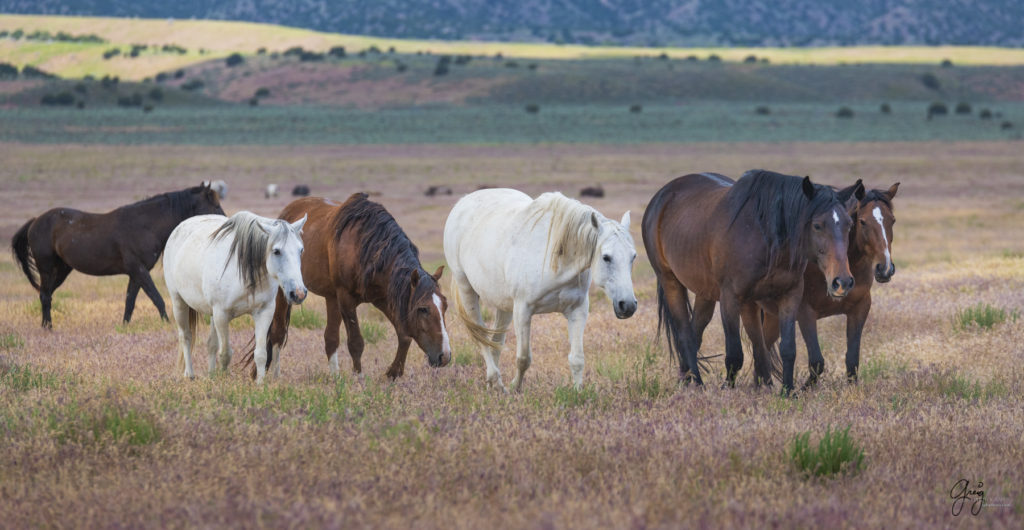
(98, 428)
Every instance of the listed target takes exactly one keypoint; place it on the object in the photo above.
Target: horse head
(874, 233)
(205, 200)
(829, 232)
(284, 257)
(612, 268)
(424, 321)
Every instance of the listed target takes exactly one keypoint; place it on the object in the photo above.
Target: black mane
(876, 195)
(181, 203)
(780, 209)
(384, 246)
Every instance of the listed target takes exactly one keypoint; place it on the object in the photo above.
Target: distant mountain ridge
(632, 22)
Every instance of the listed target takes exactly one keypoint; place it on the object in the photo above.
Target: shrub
(234, 59)
(113, 52)
(963, 108)
(985, 114)
(156, 94)
(982, 316)
(134, 100)
(844, 112)
(442, 65)
(511, 64)
(636, 109)
(161, 77)
(400, 66)
(261, 51)
(750, 59)
(692, 58)
(835, 453)
(35, 73)
(63, 99)
(262, 92)
(946, 63)
(8, 71)
(713, 58)
(337, 51)
(885, 108)
(148, 108)
(294, 50)
(937, 109)
(762, 111)
(1006, 125)
(930, 81)
(179, 74)
(193, 84)
(532, 108)
(311, 56)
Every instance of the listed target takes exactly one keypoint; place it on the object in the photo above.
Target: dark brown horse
(127, 240)
(356, 253)
(870, 258)
(742, 243)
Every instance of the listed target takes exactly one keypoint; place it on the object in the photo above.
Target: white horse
(524, 257)
(228, 267)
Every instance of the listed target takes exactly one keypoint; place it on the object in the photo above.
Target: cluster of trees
(60, 36)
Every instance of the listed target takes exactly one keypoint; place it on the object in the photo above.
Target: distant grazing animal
(743, 243)
(127, 240)
(229, 267)
(870, 256)
(527, 256)
(358, 254)
(300, 190)
(592, 191)
(438, 190)
(270, 191)
(219, 186)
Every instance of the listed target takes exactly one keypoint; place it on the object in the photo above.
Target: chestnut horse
(870, 258)
(743, 242)
(128, 240)
(356, 253)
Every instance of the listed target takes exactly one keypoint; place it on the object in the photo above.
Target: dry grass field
(98, 428)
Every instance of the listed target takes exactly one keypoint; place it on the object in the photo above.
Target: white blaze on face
(445, 346)
(877, 212)
(835, 216)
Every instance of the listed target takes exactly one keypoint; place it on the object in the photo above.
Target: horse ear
(891, 192)
(593, 219)
(625, 220)
(265, 226)
(808, 187)
(297, 225)
(851, 196)
(437, 273)
(415, 279)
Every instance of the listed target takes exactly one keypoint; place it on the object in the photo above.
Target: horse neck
(387, 290)
(163, 218)
(860, 261)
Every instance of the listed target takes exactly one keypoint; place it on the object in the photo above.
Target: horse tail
(774, 359)
(481, 334)
(19, 244)
(278, 328)
(193, 323)
(671, 327)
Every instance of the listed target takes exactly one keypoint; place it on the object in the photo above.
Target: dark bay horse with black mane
(870, 257)
(356, 253)
(128, 240)
(743, 242)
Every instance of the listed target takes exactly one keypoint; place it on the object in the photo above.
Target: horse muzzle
(883, 276)
(439, 361)
(840, 287)
(624, 309)
(297, 295)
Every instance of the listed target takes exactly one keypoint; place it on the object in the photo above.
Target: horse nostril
(835, 284)
(622, 307)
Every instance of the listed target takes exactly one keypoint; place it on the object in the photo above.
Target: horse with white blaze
(525, 256)
(229, 267)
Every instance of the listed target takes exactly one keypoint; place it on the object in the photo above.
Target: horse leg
(144, 280)
(577, 318)
(397, 367)
(353, 335)
(129, 299)
(681, 329)
(182, 313)
(703, 310)
(278, 331)
(262, 319)
(471, 304)
(52, 273)
(815, 360)
(502, 319)
(220, 324)
(730, 312)
(332, 336)
(787, 333)
(855, 321)
(750, 315)
(521, 316)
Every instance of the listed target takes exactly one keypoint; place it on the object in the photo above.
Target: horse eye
(607, 259)
(817, 226)
(277, 252)
(863, 222)
(424, 310)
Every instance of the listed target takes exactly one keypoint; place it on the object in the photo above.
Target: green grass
(835, 453)
(372, 331)
(307, 319)
(103, 424)
(961, 387)
(879, 367)
(11, 341)
(141, 325)
(644, 382)
(983, 316)
(569, 397)
(25, 378)
(466, 355)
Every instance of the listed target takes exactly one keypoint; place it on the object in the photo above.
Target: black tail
(774, 359)
(249, 358)
(19, 244)
(675, 348)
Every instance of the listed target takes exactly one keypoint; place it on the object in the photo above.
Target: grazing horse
(527, 256)
(358, 254)
(127, 240)
(741, 243)
(228, 267)
(870, 256)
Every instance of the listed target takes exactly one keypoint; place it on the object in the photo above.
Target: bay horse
(743, 242)
(358, 254)
(870, 257)
(127, 240)
(226, 268)
(526, 256)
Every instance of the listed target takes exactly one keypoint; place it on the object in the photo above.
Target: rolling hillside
(619, 22)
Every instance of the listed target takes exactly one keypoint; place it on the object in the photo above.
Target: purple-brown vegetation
(97, 428)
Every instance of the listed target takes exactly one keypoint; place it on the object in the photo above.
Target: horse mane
(572, 234)
(877, 195)
(182, 203)
(250, 245)
(383, 244)
(780, 208)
